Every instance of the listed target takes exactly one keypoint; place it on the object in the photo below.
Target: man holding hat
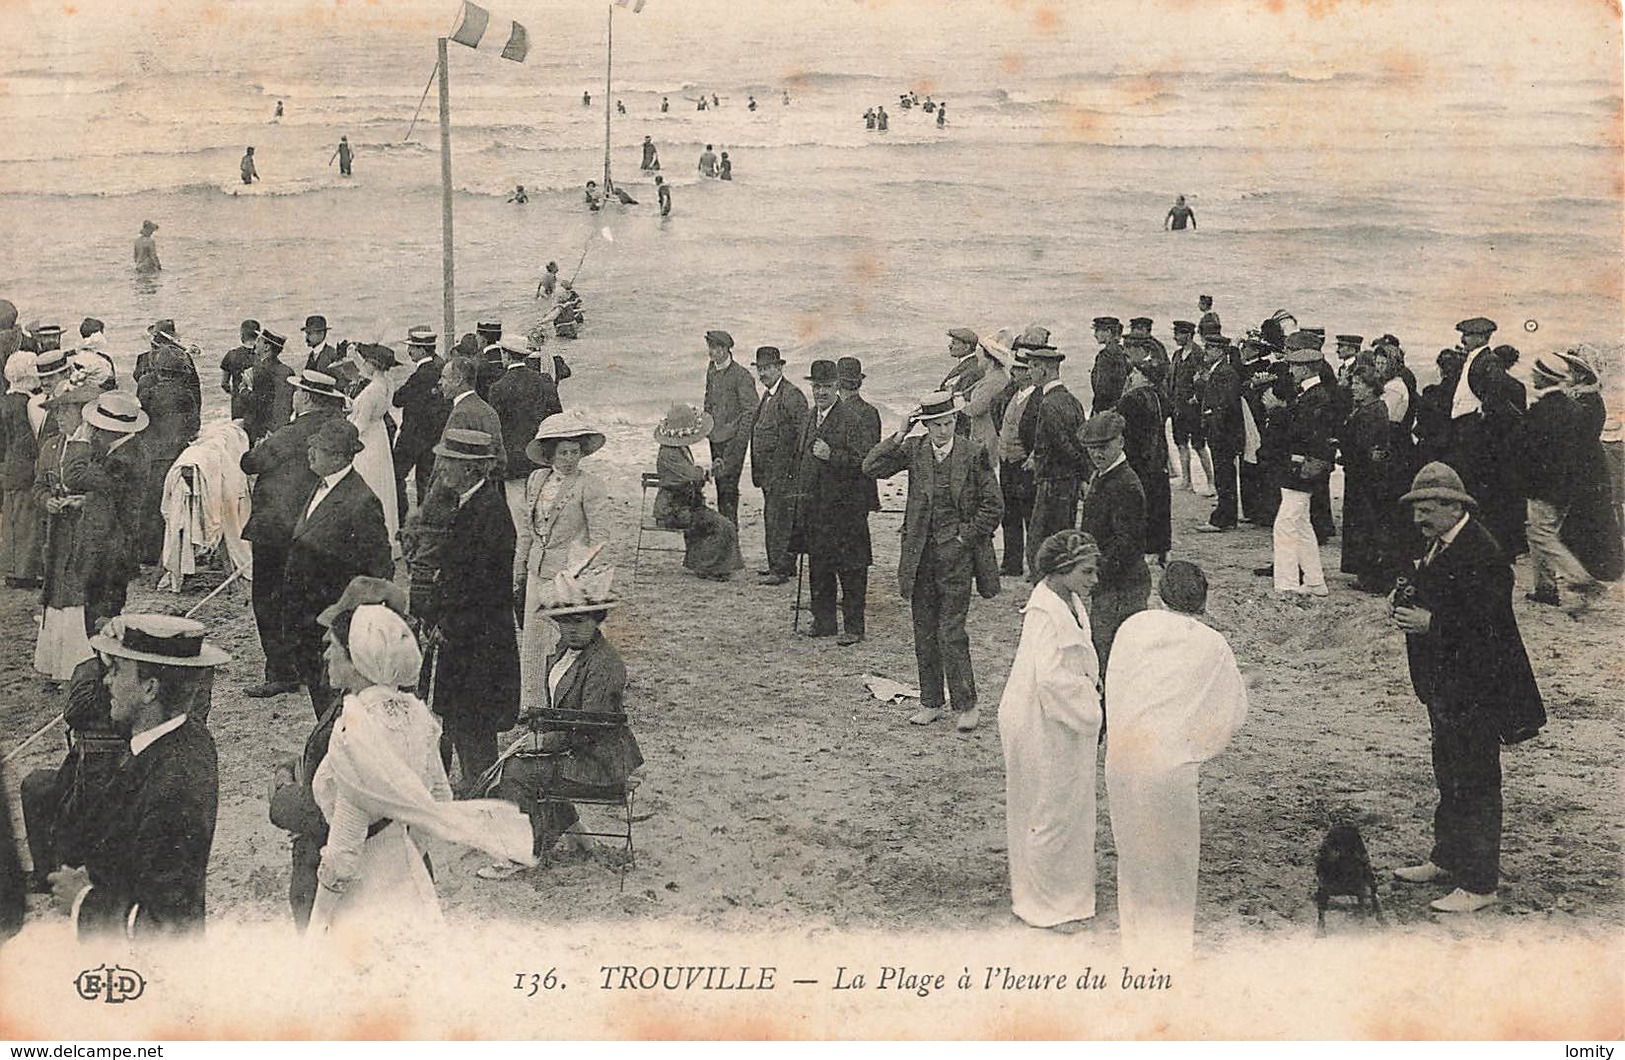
(111, 482)
(730, 396)
(832, 509)
(145, 252)
(423, 416)
(1114, 515)
(1485, 410)
(954, 505)
(283, 481)
(849, 379)
(473, 658)
(146, 860)
(1187, 362)
(338, 533)
(1469, 667)
(1058, 461)
(268, 395)
(1109, 373)
(775, 430)
(469, 411)
(522, 397)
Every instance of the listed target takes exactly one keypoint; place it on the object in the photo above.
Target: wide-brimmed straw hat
(560, 427)
(567, 595)
(683, 425)
(1438, 481)
(940, 405)
(163, 639)
(116, 411)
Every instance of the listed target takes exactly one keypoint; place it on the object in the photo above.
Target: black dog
(1342, 867)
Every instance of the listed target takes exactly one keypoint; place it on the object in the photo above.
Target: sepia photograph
(812, 520)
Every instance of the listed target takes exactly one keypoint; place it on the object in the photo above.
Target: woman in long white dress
(1177, 697)
(566, 514)
(1049, 724)
(382, 784)
(384, 373)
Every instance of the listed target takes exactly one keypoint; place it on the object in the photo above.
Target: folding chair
(619, 797)
(647, 525)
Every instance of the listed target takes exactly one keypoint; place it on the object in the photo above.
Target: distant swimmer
(752, 104)
(586, 99)
(278, 109)
(595, 201)
(702, 104)
(904, 102)
(913, 98)
(146, 251)
(715, 102)
(651, 160)
(620, 108)
(869, 118)
(663, 190)
(726, 170)
(942, 115)
(881, 121)
(250, 174)
(928, 106)
(1178, 215)
(708, 162)
(665, 104)
(344, 156)
(786, 97)
(620, 196)
(519, 195)
(550, 280)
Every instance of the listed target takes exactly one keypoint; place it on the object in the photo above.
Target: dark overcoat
(1113, 513)
(343, 537)
(423, 410)
(522, 398)
(832, 495)
(283, 479)
(477, 669)
(1146, 448)
(775, 431)
(106, 548)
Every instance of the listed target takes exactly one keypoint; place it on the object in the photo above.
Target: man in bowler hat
(1058, 460)
(774, 431)
(832, 509)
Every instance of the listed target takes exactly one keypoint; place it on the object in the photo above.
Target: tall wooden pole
(448, 285)
(609, 60)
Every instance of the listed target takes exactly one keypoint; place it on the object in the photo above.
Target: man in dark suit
(954, 505)
(323, 356)
(59, 804)
(108, 547)
(849, 379)
(469, 411)
(730, 396)
(1307, 428)
(282, 485)
(1469, 667)
(1016, 436)
(267, 400)
(1486, 406)
(423, 417)
(1058, 461)
(832, 510)
(774, 432)
(1114, 515)
(174, 415)
(1109, 374)
(522, 397)
(473, 661)
(571, 758)
(1146, 448)
(338, 534)
(146, 857)
(1218, 388)
(1554, 471)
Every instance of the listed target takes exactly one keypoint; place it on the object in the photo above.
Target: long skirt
(62, 643)
(22, 521)
(712, 542)
(1156, 828)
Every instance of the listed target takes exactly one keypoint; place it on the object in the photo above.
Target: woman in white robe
(382, 786)
(384, 373)
(1177, 697)
(1049, 724)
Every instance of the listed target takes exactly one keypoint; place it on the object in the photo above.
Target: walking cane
(795, 623)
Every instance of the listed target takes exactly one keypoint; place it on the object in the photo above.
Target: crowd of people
(376, 455)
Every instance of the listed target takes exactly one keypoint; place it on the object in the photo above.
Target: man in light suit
(469, 411)
(832, 510)
(954, 505)
(775, 430)
(146, 853)
(339, 534)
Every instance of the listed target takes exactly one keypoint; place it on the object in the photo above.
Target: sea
(1370, 167)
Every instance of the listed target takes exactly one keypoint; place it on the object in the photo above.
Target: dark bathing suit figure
(1178, 214)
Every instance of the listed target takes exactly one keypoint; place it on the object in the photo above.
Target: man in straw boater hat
(954, 505)
(730, 397)
(523, 397)
(1469, 667)
(472, 666)
(559, 754)
(283, 481)
(147, 858)
(1486, 406)
(1555, 473)
(423, 416)
(1113, 513)
(832, 509)
(338, 534)
(1058, 461)
(111, 482)
(774, 431)
(268, 401)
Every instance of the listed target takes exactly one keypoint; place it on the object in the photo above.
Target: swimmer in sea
(519, 195)
(594, 201)
(665, 104)
(651, 160)
(726, 170)
(1178, 215)
(146, 251)
(752, 103)
(550, 279)
(620, 108)
(708, 162)
(278, 108)
(663, 190)
(586, 99)
(942, 115)
(250, 174)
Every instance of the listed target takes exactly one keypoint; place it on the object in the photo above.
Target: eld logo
(114, 985)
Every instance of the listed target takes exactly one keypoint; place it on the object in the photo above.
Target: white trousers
(1547, 553)
(1296, 547)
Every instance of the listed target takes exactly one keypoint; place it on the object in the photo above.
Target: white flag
(477, 28)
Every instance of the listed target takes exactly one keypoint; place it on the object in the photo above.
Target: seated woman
(382, 780)
(581, 745)
(712, 541)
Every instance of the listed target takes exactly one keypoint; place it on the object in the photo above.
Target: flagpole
(449, 296)
(609, 62)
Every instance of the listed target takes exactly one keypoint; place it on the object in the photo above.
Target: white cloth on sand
(1049, 723)
(1176, 699)
(206, 502)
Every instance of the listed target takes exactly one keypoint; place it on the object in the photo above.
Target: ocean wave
(45, 83)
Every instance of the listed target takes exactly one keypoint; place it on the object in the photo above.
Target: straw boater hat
(683, 425)
(421, 337)
(320, 384)
(1035, 340)
(1582, 372)
(1551, 369)
(51, 362)
(460, 444)
(566, 595)
(564, 426)
(162, 639)
(935, 407)
(1438, 482)
(1000, 345)
(116, 411)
